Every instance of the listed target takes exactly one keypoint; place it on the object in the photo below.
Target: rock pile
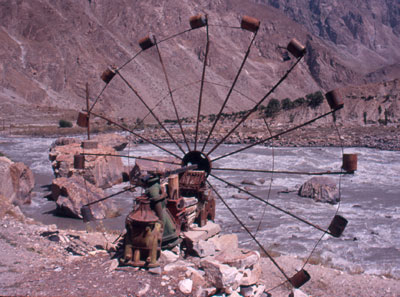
(102, 171)
(219, 266)
(75, 187)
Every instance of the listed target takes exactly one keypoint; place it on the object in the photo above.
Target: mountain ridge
(52, 48)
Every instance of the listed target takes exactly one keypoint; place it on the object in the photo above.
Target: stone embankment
(78, 184)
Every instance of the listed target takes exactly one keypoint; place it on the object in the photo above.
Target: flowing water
(370, 200)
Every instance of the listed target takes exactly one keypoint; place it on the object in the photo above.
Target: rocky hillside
(50, 49)
(365, 32)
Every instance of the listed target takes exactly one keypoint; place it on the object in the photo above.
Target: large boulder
(321, 189)
(100, 170)
(16, 181)
(7, 208)
(221, 276)
(247, 263)
(72, 193)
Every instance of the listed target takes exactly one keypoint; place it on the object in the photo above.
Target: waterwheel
(199, 144)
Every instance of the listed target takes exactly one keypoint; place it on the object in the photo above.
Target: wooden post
(88, 112)
(173, 186)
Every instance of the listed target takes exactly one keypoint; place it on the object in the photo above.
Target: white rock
(183, 265)
(165, 277)
(258, 292)
(113, 265)
(239, 259)
(225, 242)
(144, 291)
(298, 293)
(168, 256)
(185, 286)
(192, 270)
(155, 270)
(202, 233)
(251, 276)
(220, 275)
(176, 250)
(204, 248)
(235, 294)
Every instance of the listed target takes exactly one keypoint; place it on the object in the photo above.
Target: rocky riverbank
(41, 260)
(374, 136)
(44, 260)
(384, 137)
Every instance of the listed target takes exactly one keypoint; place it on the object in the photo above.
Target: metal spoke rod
(230, 91)
(240, 93)
(131, 157)
(283, 172)
(249, 232)
(127, 62)
(171, 96)
(175, 35)
(274, 136)
(165, 39)
(201, 88)
(135, 134)
(254, 109)
(97, 98)
(151, 111)
(110, 196)
(270, 204)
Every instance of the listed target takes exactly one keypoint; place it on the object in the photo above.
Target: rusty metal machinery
(142, 246)
(199, 183)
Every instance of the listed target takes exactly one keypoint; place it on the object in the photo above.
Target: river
(370, 201)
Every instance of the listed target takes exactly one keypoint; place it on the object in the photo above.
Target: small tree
(315, 99)
(273, 107)
(299, 102)
(287, 104)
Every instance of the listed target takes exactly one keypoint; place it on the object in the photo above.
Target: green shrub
(298, 102)
(64, 124)
(287, 104)
(273, 107)
(2, 155)
(212, 117)
(315, 99)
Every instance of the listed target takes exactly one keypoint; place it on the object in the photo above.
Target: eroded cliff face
(366, 31)
(51, 48)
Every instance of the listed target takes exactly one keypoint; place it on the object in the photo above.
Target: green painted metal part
(170, 236)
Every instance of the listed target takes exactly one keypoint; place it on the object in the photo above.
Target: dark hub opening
(199, 159)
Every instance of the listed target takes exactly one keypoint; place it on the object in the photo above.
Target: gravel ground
(39, 260)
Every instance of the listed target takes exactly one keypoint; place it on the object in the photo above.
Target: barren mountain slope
(50, 49)
(365, 31)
